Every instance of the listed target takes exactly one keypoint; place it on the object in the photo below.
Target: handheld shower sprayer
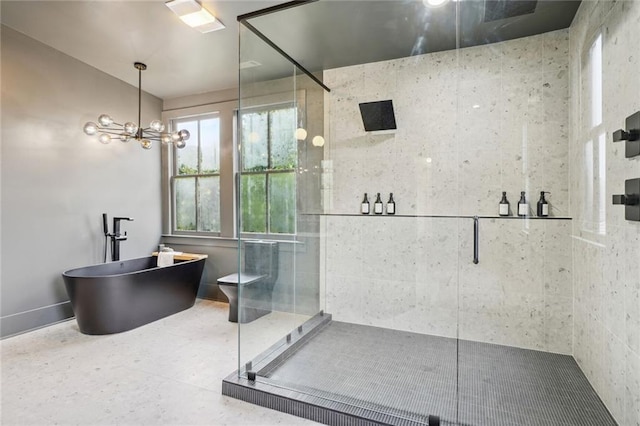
(105, 226)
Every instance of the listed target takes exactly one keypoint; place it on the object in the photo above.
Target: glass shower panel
(277, 253)
(388, 281)
(515, 306)
(449, 306)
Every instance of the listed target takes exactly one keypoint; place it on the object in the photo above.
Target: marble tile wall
(519, 294)
(387, 272)
(606, 248)
(417, 274)
(451, 158)
(471, 123)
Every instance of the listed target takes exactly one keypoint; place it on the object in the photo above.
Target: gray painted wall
(56, 182)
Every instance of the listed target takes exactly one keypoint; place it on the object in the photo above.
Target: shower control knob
(630, 199)
(622, 135)
(630, 134)
(625, 200)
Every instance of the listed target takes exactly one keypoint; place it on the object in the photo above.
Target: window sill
(200, 240)
(227, 242)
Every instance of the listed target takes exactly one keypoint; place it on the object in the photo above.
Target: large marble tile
(388, 248)
(555, 50)
(437, 260)
(344, 254)
(380, 80)
(555, 95)
(432, 318)
(613, 362)
(632, 388)
(614, 283)
(558, 258)
(344, 297)
(345, 81)
(479, 109)
(479, 186)
(556, 182)
(436, 183)
(523, 55)
(481, 62)
(558, 324)
(384, 301)
(521, 102)
(632, 317)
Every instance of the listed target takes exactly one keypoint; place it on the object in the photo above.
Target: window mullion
(266, 176)
(199, 169)
(197, 203)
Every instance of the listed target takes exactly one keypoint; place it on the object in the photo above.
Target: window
(594, 207)
(199, 181)
(196, 175)
(269, 158)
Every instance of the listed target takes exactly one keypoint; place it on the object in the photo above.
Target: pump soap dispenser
(504, 205)
(543, 205)
(523, 206)
(364, 206)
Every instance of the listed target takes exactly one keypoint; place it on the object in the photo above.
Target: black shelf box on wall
(378, 116)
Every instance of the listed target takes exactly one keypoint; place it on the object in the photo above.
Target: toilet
(259, 275)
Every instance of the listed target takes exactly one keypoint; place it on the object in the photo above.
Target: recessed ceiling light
(194, 15)
(434, 3)
(249, 64)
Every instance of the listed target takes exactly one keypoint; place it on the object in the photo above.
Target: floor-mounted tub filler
(119, 296)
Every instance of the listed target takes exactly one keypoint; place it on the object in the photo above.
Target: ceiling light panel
(194, 15)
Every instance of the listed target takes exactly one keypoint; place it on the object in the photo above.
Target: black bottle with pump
(523, 206)
(504, 205)
(377, 206)
(391, 205)
(364, 207)
(543, 205)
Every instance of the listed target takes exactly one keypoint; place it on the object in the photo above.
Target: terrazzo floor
(165, 373)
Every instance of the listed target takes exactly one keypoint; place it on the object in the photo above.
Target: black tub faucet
(116, 237)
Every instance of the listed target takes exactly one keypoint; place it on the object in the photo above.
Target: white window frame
(594, 207)
(269, 172)
(226, 111)
(176, 176)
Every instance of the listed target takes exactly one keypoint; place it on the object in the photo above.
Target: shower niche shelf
(440, 216)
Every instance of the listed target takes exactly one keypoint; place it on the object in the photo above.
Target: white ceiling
(112, 35)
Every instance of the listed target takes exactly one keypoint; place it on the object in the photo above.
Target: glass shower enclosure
(444, 310)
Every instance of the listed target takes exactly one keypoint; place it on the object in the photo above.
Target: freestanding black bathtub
(118, 296)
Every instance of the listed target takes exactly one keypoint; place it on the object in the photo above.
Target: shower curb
(307, 406)
(294, 403)
(299, 403)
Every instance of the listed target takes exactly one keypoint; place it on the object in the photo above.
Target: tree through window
(268, 179)
(197, 175)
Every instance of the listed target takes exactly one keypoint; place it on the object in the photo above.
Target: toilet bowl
(257, 279)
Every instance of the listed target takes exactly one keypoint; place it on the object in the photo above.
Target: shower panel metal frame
(249, 382)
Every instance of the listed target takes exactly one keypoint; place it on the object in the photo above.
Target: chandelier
(109, 129)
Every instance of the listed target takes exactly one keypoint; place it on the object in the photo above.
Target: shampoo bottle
(377, 206)
(523, 206)
(391, 205)
(364, 207)
(504, 205)
(543, 206)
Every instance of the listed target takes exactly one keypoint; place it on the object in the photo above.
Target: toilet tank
(261, 258)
